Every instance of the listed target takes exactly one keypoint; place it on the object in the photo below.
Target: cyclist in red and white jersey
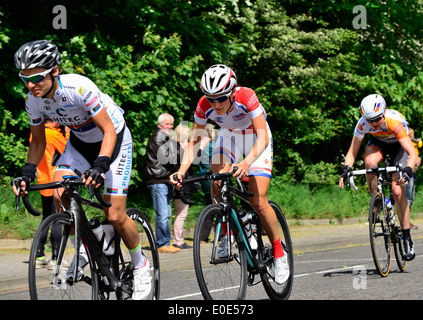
(99, 139)
(388, 132)
(244, 132)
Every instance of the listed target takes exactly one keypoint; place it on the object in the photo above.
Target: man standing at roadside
(159, 165)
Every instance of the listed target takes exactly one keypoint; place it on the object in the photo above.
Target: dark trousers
(56, 229)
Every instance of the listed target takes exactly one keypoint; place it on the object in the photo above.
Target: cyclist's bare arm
(407, 145)
(105, 124)
(351, 156)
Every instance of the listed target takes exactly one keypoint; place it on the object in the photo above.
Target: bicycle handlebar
(376, 170)
(67, 183)
(214, 176)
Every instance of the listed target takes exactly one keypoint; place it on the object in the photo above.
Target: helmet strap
(230, 105)
(51, 88)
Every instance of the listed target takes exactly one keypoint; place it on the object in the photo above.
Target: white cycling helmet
(372, 106)
(218, 80)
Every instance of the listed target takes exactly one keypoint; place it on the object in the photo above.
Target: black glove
(100, 166)
(345, 171)
(28, 174)
(407, 173)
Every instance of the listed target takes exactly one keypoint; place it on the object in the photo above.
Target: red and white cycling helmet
(218, 80)
(372, 106)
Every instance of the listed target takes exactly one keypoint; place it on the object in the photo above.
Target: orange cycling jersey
(45, 171)
(393, 129)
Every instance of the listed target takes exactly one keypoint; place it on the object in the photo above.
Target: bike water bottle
(391, 212)
(246, 222)
(109, 237)
(97, 228)
(253, 238)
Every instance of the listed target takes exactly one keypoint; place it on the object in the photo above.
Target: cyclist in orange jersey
(55, 144)
(388, 131)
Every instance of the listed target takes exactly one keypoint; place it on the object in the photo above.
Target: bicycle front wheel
(274, 290)
(380, 235)
(52, 281)
(220, 275)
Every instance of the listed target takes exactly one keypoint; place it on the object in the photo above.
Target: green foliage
(309, 67)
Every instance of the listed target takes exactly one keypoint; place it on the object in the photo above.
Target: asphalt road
(331, 263)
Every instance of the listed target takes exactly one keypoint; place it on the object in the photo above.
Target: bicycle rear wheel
(149, 250)
(380, 235)
(220, 277)
(51, 283)
(274, 290)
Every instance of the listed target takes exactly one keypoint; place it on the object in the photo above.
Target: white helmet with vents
(218, 80)
(373, 106)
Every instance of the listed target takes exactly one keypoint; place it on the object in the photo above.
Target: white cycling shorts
(117, 178)
(233, 144)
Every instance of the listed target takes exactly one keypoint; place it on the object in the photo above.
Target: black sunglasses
(375, 119)
(218, 99)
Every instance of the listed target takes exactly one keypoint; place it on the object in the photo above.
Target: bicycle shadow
(369, 273)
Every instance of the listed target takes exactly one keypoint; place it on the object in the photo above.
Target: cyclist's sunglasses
(218, 99)
(35, 78)
(375, 119)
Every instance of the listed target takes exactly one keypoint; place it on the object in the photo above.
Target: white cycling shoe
(281, 269)
(142, 282)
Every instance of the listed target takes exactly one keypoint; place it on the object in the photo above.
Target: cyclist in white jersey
(99, 140)
(244, 132)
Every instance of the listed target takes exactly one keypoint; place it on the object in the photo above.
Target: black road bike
(103, 274)
(384, 229)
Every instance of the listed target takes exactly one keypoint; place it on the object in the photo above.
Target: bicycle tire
(380, 235)
(273, 290)
(226, 280)
(52, 284)
(399, 248)
(149, 250)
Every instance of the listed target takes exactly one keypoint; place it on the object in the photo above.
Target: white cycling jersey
(237, 136)
(74, 104)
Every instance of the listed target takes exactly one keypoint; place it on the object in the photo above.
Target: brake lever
(18, 197)
(91, 190)
(17, 201)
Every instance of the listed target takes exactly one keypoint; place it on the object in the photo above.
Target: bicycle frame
(230, 212)
(82, 229)
(84, 232)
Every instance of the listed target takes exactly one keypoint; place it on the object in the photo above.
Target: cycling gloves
(407, 174)
(100, 166)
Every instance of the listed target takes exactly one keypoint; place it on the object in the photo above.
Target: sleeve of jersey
(200, 112)
(359, 130)
(398, 129)
(35, 116)
(252, 103)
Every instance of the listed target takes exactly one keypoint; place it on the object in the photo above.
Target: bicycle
(384, 230)
(227, 277)
(108, 273)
